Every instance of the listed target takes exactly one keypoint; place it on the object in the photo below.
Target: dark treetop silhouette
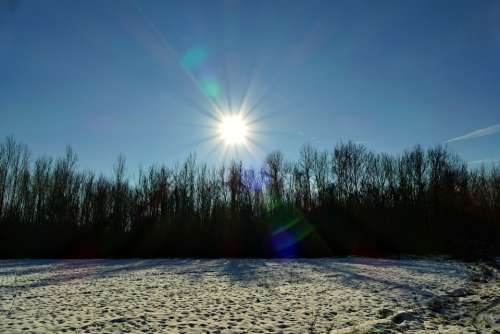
(349, 201)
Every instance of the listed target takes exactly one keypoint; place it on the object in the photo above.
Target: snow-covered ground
(347, 295)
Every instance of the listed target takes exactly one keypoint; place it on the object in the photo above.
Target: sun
(233, 130)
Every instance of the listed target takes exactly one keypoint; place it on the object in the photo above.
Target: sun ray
(262, 117)
(213, 148)
(254, 150)
(257, 145)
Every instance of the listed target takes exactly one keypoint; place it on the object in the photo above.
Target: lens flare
(194, 58)
(210, 86)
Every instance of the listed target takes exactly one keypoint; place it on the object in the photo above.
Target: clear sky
(145, 78)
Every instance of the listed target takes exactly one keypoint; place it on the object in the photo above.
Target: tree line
(347, 201)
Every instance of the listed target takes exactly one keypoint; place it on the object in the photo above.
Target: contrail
(483, 161)
(491, 130)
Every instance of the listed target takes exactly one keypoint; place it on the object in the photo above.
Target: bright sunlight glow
(233, 130)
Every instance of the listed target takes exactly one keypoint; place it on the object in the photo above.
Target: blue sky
(143, 77)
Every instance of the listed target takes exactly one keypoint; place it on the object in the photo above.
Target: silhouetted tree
(354, 200)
